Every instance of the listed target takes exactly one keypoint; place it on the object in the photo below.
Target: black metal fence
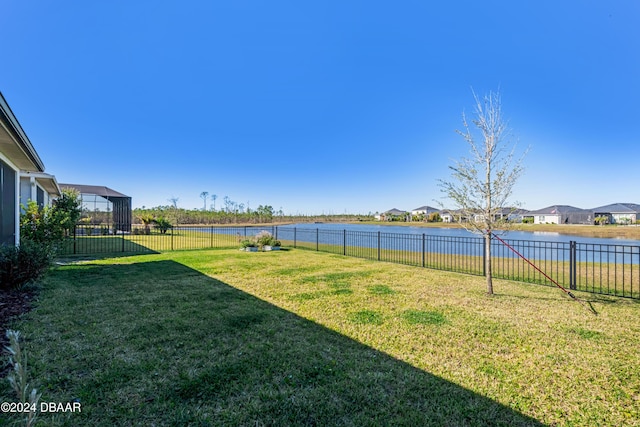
(592, 267)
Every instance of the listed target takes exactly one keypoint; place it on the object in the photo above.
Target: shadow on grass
(176, 347)
(103, 245)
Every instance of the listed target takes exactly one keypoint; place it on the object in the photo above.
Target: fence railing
(592, 267)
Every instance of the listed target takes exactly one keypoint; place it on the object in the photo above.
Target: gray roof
(513, 211)
(394, 211)
(426, 208)
(98, 190)
(618, 208)
(558, 210)
(14, 142)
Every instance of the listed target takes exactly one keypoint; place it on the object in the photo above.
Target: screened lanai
(104, 207)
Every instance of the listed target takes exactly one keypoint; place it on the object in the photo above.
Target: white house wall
(546, 219)
(29, 191)
(623, 218)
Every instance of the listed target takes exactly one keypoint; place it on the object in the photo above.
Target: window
(40, 197)
(7, 204)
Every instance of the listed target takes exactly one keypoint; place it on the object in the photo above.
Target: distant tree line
(232, 213)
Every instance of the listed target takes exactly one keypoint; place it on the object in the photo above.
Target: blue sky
(323, 107)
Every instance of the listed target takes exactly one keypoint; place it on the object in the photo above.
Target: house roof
(394, 211)
(98, 190)
(14, 142)
(48, 182)
(558, 210)
(513, 211)
(618, 208)
(426, 208)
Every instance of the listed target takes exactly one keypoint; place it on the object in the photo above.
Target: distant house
(453, 215)
(394, 215)
(424, 211)
(22, 176)
(508, 214)
(447, 216)
(512, 214)
(619, 213)
(562, 214)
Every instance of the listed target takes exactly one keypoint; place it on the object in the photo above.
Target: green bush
(434, 217)
(248, 243)
(21, 265)
(42, 232)
(264, 238)
(260, 240)
(162, 224)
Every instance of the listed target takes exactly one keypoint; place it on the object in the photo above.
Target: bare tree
(174, 205)
(213, 199)
(482, 184)
(204, 195)
(228, 204)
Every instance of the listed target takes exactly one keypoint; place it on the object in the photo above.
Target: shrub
(248, 243)
(162, 224)
(141, 231)
(434, 217)
(602, 220)
(40, 225)
(147, 220)
(67, 209)
(264, 238)
(42, 232)
(21, 265)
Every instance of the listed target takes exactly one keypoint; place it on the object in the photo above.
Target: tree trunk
(487, 263)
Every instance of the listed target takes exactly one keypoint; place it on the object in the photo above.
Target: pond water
(453, 241)
(542, 236)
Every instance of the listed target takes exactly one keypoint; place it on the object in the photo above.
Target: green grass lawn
(223, 337)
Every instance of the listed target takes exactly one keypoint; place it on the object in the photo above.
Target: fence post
(317, 239)
(275, 232)
(75, 231)
(423, 238)
(572, 265)
(344, 241)
(295, 235)
(211, 240)
(122, 231)
(378, 246)
(172, 228)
